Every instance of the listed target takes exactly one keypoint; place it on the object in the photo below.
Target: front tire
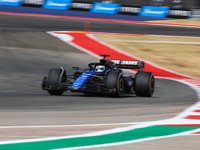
(115, 82)
(54, 78)
(144, 84)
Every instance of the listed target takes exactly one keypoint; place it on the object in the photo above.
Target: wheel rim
(121, 85)
(152, 85)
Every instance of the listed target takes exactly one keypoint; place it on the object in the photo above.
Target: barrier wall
(106, 8)
(185, 4)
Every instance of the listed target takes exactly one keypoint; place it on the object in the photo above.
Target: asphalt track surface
(42, 24)
(27, 53)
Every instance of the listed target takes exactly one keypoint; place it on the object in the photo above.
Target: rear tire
(53, 79)
(115, 82)
(144, 84)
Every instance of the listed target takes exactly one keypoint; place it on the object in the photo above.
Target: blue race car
(104, 77)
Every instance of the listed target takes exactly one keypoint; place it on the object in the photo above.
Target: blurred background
(187, 4)
(28, 52)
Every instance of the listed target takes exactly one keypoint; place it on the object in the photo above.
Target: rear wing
(129, 64)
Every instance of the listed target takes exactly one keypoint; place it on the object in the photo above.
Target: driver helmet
(100, 68)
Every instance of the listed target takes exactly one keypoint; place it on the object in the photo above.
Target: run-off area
(179, 54)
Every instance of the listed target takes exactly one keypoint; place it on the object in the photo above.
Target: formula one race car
(103, 77)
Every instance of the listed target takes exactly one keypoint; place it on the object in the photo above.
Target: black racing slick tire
(144, 84)
(54, 78)
(115, 82)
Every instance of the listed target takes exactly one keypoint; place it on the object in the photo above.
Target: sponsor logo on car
(129, 62)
